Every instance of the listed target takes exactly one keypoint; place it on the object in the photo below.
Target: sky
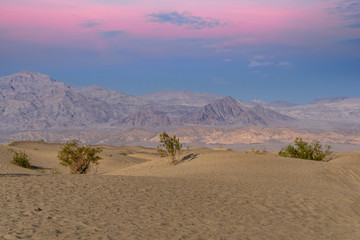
(287, 50)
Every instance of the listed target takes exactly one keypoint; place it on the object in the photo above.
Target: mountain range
(34, 102)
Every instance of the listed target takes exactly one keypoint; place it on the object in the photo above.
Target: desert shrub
(170, 147)
(78, 158)
(257, 151)
(122, 153)
(305, 150)
(21, 159)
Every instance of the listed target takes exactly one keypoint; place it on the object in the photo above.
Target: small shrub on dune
(79, 158)
(172, 147)
(21, 159)
(305, 150)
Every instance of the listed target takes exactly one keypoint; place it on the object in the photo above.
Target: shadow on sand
(189, 157)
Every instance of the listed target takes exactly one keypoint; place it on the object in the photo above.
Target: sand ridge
(213, 194)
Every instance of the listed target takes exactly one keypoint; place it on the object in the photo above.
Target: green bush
(305, 150)
(21, 159)
(172, 147)
(78, 158)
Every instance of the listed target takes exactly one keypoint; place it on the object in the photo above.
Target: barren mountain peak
(29, 82)
(228, 98)
(229, 101)
(35, 75)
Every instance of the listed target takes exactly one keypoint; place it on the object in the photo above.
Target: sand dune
(213, 194)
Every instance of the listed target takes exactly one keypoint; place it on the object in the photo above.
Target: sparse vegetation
(122, 153)
(79, 158)
(21, 159)
(257, 151)
(305, 150)
(172, 147)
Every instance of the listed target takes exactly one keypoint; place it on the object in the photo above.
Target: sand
(213, 194)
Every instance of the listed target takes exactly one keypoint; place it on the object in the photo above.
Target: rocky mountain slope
(225, 111)
(341, 109)
(228, 111)
(126, 104)
(34, 101)
(145, 118)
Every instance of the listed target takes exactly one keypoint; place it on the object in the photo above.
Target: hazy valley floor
(214, 194)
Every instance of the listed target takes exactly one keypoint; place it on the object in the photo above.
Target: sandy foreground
(213, 194)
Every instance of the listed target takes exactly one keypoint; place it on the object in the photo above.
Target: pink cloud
(246, 22)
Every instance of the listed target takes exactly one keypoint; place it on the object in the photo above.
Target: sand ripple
(118, 207)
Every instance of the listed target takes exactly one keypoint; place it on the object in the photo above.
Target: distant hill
(223, 112)
(328, 100)
(340, 109)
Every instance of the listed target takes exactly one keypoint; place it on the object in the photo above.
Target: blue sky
(271, 50)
